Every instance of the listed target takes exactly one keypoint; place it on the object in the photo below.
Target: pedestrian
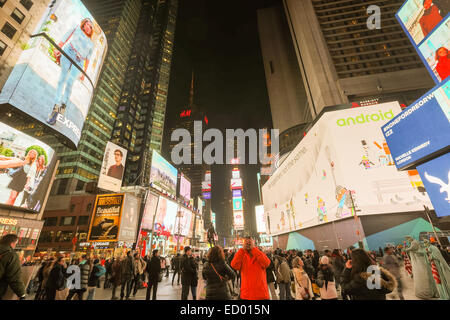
(40, 292)
(303, 287)
(338, 265)
(216, 272)
(116, 276)
(392, 264)
(10, 269)
(271, 279)
(285, 278)
(167, 266)
(127, 276)
(76, 291)
(94, 279)
(176, 267)
(252, 263)
(153, 270)
(189, 276)
(326, 280)
(354, 278)
(85, 270)
(56, 280)
(108, 265)
(139, 268)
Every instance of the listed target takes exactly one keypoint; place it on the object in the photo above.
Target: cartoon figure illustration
(445, 187)
(343, 198)
(282, 221)
(291, 205)
(306, 198)
(387, 154)
(324, 176)
(288, 214)
(383, 160)
(366, 162)
(321, 210)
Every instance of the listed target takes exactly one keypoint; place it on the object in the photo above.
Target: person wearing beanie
(153, 269)
(326, 280)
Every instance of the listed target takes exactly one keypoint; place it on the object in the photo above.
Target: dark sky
(219, 41)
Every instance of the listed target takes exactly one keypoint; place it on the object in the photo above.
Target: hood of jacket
(390, 283)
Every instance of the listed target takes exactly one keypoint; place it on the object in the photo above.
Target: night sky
(219, 41)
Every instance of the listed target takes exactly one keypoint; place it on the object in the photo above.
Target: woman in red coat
(443, 63)
(430, 18)
(252, 263)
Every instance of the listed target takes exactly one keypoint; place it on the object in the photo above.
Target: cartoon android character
(343, 198)
(321, 210)
(366, 162)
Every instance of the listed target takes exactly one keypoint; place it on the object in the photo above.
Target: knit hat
(324, 260)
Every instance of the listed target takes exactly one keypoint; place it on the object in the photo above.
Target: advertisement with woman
(54, 78)
(26, 168)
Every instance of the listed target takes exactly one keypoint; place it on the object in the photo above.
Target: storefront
(28, 232)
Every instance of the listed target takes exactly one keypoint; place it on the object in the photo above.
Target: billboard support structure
(427, 213)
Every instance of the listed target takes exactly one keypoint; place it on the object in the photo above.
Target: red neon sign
(185, 113)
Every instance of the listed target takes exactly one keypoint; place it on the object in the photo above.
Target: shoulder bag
(303, 292)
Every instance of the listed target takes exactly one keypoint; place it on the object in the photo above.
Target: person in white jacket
(326, 280)
(303, 287)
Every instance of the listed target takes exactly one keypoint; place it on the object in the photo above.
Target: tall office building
(130, 94)
(342, 60)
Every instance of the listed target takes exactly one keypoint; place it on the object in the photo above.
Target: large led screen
(129, 222)
(183, 222)
(149, 211)
(163, 175)
(26, 169)
(166, 214)
(341, 166)
(56, 86)
(260, 219)
(185, 187)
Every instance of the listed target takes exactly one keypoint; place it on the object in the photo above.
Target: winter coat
(188, 271)
(327, 284)
(10, 272)
(127, 268)
(94, 278)
(337, 266)
(217, 288)
(116, 272)
(56, 279)
(139, 266)
(176, 263)
(356, 285)
(284, 271)
(253, 267)
(391, 263)
(153, 269)
(85, 270)
(301, 278)
(46, 273)
(270, 276)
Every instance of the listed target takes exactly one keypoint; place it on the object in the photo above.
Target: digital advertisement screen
(238, 220)
(113, 167)
(166, 214)
(236, 184)
(235, 174)
(149, 211)
(49, 85)
(26, 169)
(213, 219)
(206, 195)
(206, 185)
(421, 129)
(237, 193)
(129, 222)
(426, 23)
(105, 222)
(163, 175)
(237, 204)
(185, 187)
(435, 175)
(260, 219)
(341, 167)
(183, 223)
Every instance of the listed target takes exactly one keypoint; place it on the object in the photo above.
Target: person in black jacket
(176, 267)
(354, 278)
(127, 276)
(271, 281)
(56, 280)
(153, 269)
(217, 272)
(189, 277)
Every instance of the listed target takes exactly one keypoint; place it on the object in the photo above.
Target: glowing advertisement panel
(237, 193)
(149, 211)
(183, 223)
(235, 174)
(48, 84)
(435, 175)
(129, 222)
(260, 219)
(26, 169)
(163, 175)
(237, 204)
(342, 165)
(105, 222)
(238, 220)
(236, 184)
(426, 23)
(185, 187)
(113, 167)
(422, 129)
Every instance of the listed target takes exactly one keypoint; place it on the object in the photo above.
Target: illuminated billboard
(206, 195)
(163, 175)
(420, 130)
(54, 78)
(129, 221)
(238, 220)
(149, 211)
(183, 222)
(113, 167)
(237, 204)
(166, 214)
(185, 187)
(235, 174)
(236, 184)
(260, 219)
(105, 222)
(26, 169)
(341, 167)
(237, 193)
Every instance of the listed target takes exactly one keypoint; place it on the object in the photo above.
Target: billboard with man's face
(113, 168)
(26, 169)
(55, 76)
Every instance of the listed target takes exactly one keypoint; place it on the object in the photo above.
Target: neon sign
(185, 113)
(161, 230)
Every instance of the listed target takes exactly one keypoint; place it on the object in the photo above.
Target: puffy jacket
(189, 271)
(128, 268)
(85, 269)
(338, 266)
(356, 285)
(327, 284)
(217, 288)
(253, 267)
(10, 272)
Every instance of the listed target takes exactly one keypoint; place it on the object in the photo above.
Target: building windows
(67, 221)
(17, 15)
(9, 30)
(27, 4)
(46, 236)
(63, 236)
(83, 220)
(89, 207)
(3, 47)
(50, 222)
